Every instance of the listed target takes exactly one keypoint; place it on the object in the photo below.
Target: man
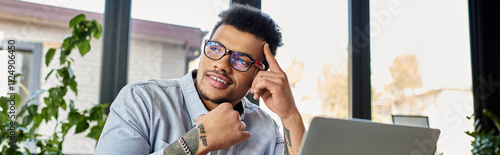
(206, 111)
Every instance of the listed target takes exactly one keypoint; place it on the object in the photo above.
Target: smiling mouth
(218, 79)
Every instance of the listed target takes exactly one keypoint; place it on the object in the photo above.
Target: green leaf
(32, 109)
(63, 91)
(95, 132)
(64, 73)
(73, 117)
(54, 92)
(71, 105)
(47, 77)
(97, 112)
(76, 20)
(81, 33)
(63, 105)
(88, 24)
(37, 120)
(62, 58)
(84, 47)
(45, 115)
(73, 85)
(82, 126)
(65, 128)
(66, 45)
(3, 104)
(97, 31)
(55, 113)
(46, 100)
(52, 112)
(27, 120)
(50, 54)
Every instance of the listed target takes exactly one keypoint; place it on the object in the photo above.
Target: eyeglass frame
(228, 51)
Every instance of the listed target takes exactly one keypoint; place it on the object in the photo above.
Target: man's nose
(223, 64)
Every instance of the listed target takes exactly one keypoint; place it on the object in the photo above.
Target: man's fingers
(263, 83)
(243, 125)
(245, 135)
(257, 92)
(200, 119)
(225, 105)
(273, 64)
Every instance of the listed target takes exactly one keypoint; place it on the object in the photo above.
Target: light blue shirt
(147, 116)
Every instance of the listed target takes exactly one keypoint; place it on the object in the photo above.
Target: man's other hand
(220, 128)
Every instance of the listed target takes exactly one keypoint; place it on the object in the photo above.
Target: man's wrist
(202, 141)
(184, 146)
(292, 117)
(191, 139)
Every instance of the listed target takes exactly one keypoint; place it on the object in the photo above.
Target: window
(420, 63)
(314, 54)
(28, 61)
(165, 49)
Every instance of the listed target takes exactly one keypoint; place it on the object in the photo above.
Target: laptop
(360, 137)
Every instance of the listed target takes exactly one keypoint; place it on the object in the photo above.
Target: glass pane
(96, 6)
(197, 14)
(167, 50)
(420, 65)
(314, 54)
(24, 65)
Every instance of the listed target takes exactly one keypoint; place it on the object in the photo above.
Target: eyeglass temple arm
(260, 65)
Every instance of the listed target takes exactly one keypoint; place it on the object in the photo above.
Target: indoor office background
(420, 55)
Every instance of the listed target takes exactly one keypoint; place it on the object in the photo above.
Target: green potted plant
(21, 127)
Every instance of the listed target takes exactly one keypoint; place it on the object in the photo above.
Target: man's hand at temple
(274, 89)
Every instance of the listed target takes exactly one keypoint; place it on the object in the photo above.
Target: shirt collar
(193, 102)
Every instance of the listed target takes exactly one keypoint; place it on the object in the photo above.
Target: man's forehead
(239, 41)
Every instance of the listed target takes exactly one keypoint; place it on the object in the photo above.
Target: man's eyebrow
(247, 54)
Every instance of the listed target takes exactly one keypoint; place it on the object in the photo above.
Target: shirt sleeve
(127, 126)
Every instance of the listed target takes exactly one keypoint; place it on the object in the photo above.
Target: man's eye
(242, 62)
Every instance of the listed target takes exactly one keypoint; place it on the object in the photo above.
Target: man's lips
(218, 81)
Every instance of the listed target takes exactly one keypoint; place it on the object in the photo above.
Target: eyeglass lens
(238, 60)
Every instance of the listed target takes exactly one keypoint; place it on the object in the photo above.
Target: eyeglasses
(239, 61)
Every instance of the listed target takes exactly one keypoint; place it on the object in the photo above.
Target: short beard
(216, 101)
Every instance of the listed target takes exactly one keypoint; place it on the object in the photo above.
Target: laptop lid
(418, 121)
(359, 137)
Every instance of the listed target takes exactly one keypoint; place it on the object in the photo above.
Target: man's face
(217, 81)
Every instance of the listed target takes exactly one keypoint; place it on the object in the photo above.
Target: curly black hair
(249, 19)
